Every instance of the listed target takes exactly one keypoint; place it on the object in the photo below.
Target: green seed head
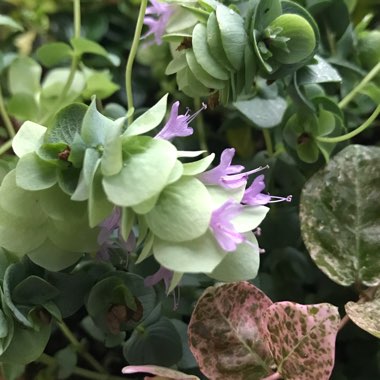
(300, 38)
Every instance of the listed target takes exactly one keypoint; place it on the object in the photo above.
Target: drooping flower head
(223, 229)
(106, 238)
(162, 274)
(178, 125)
(225, 174)
(253, 194)
(158, 16)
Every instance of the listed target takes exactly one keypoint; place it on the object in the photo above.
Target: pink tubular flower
(178, 125)
(253, 195)
(224, 231)
(225, 174)
(157, 24)
(161, 274)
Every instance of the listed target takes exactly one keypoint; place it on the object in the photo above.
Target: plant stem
(79, 347)
(77, 17)
(85, 373)
(273, 376)
(73, 68)
(375, 70)
(5, 116)
(353, 133)
(6, 146)
(268, 142)
(131, 57)
(200, 126)
(344, 321)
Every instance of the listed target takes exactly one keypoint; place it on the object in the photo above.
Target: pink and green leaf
(161, 373)
(225, 333)
(301, 339)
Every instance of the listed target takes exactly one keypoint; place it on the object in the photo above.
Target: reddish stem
(344, 321)
(273, 376)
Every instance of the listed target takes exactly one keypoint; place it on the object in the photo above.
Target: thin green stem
(79, 348)
(85, 373)
(199, 122)
(347, 136)
(73, 68)
(6, 146)
(77, 17)
(131, 58)
(268, 142)
(5, 116)
(375, 70)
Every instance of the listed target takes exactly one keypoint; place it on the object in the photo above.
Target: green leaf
(53, 53)
(23, 106)
(24, 76)
(20, 203)
(203, 76)
(232, 34)
(366, 315)
(149, 119)
(214, 42)
(28, 138)
(190, 85)
(11, 228)
(95, 126)
(27, 345)
(320, 72)
(178, 207)
(197, 167)
(6, 21)
(99, 208)
(160, 343)
(82, 45)
(67, 360)
(50, 257)
(199, 13)
(176, 64)
(249, 218)
(203, 55)
(154, 159)
(112, 158)
(33, 290)
(265, 113)
(266, 11)
(100, 84)
(32, 173)
(126, 223)
(201, 255)
(242, 264)
(340, 216)
(66, 124)
(308, 150)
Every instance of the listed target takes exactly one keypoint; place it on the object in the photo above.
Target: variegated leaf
(367, 314)
(340, 216)
(161, 372)
(225, 333)
(301, 339)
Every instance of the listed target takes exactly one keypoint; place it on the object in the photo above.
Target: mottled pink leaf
(225, 334)
(162, 372)
(301, 339)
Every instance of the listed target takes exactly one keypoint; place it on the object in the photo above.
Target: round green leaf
(146, 169)
(340, 216)
(182, 212)
(28, 138)
(53, 53)
(239, 265)
(203, 55)
(201, 255)
(232, 34)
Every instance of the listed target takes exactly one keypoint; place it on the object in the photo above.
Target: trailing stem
(353, 133)
(7, 121)
(131, 58)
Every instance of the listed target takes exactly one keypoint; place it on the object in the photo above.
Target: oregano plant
(189, 190)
